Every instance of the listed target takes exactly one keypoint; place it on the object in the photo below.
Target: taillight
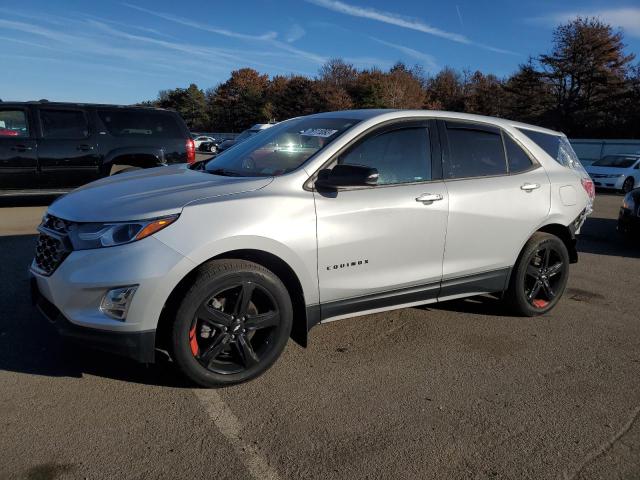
(191, 150)
(589, 187)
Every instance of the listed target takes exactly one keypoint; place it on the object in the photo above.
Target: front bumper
(614, 183)
(72, 294)
(629, 222)
(139, 346)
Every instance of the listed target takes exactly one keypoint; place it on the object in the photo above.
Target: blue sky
(126, 51)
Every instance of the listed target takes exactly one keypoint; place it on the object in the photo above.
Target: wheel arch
(565, 234)
(268, 260)
(133, 157)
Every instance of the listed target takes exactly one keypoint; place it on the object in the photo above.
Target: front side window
(64, 123)
(279, 149)
(400, 156)
(474, 153)
(13, 123)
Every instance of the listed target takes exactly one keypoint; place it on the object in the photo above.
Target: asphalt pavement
(460, 390)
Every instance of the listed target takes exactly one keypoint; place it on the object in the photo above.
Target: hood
(147, 193)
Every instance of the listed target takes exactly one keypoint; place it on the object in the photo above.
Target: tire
(213, 149)
(538, 281)
(627, 186)
(232, 324)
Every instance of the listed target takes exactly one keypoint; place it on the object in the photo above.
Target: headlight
(98, 235)
(628, 202)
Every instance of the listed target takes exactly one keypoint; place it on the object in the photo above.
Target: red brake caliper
(193, 341)
(540, 303)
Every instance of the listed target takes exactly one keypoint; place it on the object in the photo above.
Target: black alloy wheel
(543, 277)
(539, 277)
(233, 329)
(232, 324)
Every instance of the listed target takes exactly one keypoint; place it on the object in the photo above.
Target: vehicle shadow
(29, 344)
(600, 236)
(488, 305)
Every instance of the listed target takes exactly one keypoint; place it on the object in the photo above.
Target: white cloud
(296, 32)
(627, 18)
(269, 38)
(428, 61)
(400, 21)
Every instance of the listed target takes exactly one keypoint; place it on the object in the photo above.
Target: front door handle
(85, 148)
(527, 187)
(21, 148)
(429, 197)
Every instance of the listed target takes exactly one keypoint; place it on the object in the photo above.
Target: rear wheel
(627, 186)
(232, 324)
(540, 276)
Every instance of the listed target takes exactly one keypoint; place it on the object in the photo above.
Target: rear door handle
(429, 197)
(85, 147)
(21, 148)
(527, 187)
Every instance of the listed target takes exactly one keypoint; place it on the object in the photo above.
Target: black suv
(49, 147)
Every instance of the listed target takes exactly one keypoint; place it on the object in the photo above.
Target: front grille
(53, 244)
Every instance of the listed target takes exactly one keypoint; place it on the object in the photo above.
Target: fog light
(115, 303)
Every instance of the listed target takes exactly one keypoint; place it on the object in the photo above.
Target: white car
(617, 172)
(315, 219)
(201, 139)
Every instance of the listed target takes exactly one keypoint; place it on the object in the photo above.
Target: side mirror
(347, 176)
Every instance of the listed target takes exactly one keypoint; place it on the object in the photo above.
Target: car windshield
(615, 162)
(279, 149)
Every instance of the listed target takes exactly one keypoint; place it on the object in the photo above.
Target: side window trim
(396, 124)
(444, 124)
(54, 108)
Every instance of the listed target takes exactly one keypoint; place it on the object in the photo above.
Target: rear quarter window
(141, 123)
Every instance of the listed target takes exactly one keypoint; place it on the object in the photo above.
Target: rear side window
(13, 123)
(64, 123)
(140, 123)
(400, 156)
(548, 143)
(474, 152)
(518, 159)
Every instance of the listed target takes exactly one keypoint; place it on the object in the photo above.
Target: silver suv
(315, 219)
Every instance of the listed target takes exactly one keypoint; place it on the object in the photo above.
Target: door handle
(21, 148)
(527, 187)
(85, 148)
(429, 197)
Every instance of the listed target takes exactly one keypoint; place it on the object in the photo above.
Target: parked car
(58, 146)
(248, 133)
(629, 217)
(202, 138)
(617, 172)
(209, 146)
(366, 211)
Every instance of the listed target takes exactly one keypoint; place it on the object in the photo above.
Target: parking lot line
(229, 426)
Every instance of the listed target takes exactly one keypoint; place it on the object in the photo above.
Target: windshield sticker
(318, 132)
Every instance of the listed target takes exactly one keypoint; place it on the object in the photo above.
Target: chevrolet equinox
(316, 219)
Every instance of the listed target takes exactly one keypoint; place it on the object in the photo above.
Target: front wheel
(627, 186)
(232, 324)
(540, 276)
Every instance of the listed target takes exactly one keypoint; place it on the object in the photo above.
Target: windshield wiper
(224, 172)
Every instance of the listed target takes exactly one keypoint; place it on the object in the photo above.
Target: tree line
(586, 86)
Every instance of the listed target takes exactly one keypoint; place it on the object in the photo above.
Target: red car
(5, 132)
